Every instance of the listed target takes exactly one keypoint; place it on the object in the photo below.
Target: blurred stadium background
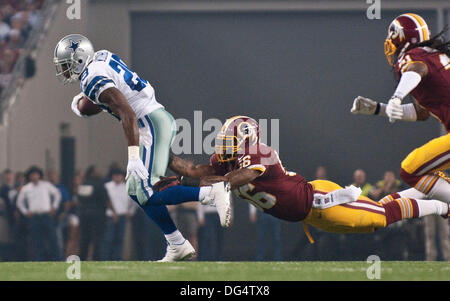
(301, 62)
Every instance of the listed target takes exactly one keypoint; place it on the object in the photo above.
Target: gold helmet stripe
(425, 34)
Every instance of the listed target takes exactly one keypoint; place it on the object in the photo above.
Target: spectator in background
(38, 201)
(6, 191)
(321, 173)
(359, 180)
(388, 185)
(268, 228)
(5, 232)
(4, 28)
(8, 59)
(72, 220)
(15, 40)
(186, 216)
(19, 223)
(6, 214)
(437, 227)
(61, 221)
(210, 234)
(92, 203)
(142, 235)
(116, 216)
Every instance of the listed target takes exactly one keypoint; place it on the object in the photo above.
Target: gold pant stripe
(425, 157)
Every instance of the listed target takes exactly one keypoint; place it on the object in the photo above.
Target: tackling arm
(206, 172)
(241, 177)
(188, 168)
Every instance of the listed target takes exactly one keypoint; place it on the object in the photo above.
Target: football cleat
(220, 197)
(182, 252)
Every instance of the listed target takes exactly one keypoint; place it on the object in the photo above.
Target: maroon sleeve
(219, 169)
(258, 157)
(411, 56)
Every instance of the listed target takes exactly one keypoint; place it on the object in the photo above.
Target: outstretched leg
(398, 208)
(422, 169)
(366, 215)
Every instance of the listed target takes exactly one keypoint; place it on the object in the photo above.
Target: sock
(389, 198)
(429, 207)
(399, 209)
(204, 192)
(440, 190)
(175, 238)
(413, 194)
(174, 195)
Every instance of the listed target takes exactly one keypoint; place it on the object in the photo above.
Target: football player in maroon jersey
(422, 66)
(255, 173)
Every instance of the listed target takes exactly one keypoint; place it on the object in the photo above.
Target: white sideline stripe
(368, 206)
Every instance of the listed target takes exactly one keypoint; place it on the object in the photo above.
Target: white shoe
(220, 197)
(185, 251)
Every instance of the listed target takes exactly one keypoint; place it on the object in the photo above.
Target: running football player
(422, 66)
(256, 174)
(149, 129)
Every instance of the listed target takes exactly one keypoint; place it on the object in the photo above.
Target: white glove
(74, 105)
(365, 106)
(394, 109)
(135, 166)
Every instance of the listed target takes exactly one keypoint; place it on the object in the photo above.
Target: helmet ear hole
(80, 61)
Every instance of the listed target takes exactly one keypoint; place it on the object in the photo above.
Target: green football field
(225, 271)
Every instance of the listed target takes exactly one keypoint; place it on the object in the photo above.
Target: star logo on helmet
(73, 45)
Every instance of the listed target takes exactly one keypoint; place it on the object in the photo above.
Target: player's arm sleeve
(218, 169)
(96, 81)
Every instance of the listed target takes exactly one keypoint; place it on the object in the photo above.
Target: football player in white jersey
(149, 129)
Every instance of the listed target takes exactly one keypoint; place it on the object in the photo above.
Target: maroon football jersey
(433, 92)
(278, 192)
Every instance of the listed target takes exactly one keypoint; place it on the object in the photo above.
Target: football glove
(364, 106)
(394, 109)
(135, 166)
(74, 105)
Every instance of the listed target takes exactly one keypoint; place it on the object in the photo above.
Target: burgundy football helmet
(404, 32)
(237, 133)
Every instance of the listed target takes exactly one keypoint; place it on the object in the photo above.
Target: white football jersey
(108, 70)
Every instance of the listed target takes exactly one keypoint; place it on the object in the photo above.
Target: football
(87, 107)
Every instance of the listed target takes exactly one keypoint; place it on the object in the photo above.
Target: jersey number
(131, 79)
(262, 200)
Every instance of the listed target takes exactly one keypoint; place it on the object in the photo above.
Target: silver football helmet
(72, 55)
